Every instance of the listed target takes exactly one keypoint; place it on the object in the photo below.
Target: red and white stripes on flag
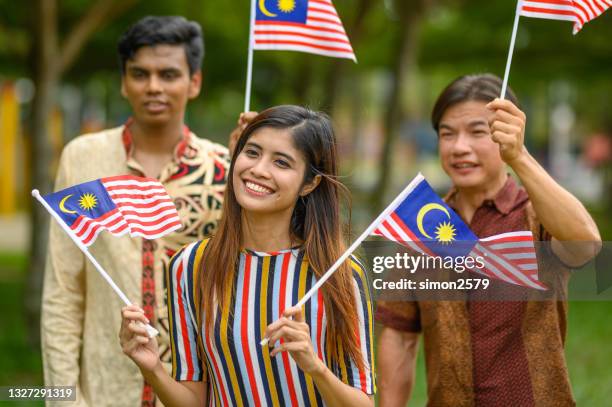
(322, 33)
(510, 257)
(578, 11)
(394, 229)
(143, 208)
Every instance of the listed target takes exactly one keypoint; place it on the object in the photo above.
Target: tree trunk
(45, 81)
(410, 15)
(336, 69)
(50, 63)
(304, 80)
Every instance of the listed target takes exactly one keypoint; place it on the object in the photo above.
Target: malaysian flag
(301, 25)
(122, 204)
(578, 11)
(425, 223)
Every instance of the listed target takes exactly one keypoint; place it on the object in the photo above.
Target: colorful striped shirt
(239, 371)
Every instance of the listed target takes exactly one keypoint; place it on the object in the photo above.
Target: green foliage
(457, 37)
(20, 364)
(587, 351)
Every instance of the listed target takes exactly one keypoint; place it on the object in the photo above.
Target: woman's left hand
(295, 335)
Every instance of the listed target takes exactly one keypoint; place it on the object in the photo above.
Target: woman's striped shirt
(239, 371)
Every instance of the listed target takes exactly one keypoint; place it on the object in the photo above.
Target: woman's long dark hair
(315, 222)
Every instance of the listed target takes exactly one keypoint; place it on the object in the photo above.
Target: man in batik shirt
(482, 351)
(160, 66)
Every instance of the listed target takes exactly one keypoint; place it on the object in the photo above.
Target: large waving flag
(301, 25)
(122, 204)
(420, 220)
(425, 223)
(578, 11)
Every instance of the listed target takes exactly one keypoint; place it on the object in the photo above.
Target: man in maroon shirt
(490, 353)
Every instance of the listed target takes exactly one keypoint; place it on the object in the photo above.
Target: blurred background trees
(59, 77)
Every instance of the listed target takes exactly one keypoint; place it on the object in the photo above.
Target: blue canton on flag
(87, 199)
(300, 25)
(122, 204)
(294, 11)
(423, 222)
(431, 222)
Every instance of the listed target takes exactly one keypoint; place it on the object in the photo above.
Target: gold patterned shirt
(80, 313)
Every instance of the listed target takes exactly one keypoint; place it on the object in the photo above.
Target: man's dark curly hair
(169, 30)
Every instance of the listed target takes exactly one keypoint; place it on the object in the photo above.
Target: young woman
(279, 232)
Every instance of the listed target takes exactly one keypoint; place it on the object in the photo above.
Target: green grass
(11, 264)
(588, 351)
(20, 364)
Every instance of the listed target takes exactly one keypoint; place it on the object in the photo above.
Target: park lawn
(20, 364)
(588, 350)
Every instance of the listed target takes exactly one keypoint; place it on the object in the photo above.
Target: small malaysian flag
(301, 25)
(122, 204)
(425, 223)
(578, 11)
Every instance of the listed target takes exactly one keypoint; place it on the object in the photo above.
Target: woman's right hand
(134, 339)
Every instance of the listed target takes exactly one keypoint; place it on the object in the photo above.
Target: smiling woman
(269, 174)
(279, 232)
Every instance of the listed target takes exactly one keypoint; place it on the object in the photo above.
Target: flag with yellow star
(122, 204)
(425, 223)
(426, 220)
(311, 26)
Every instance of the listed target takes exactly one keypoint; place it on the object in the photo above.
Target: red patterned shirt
(493, 353)
(195, 179)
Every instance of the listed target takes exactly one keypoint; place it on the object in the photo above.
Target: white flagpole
(247, 93)
(150, 330)
(511, 50)
(390, 208)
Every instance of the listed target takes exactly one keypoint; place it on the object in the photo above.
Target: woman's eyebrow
(287, 156)
(252, 144)
(282, 154)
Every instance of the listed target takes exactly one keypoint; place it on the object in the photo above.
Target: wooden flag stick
(511, 50)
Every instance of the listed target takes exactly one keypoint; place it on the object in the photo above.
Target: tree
(404, 55)
(355, 30)
(52, 60)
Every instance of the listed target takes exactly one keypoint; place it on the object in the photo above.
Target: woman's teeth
(258, 188)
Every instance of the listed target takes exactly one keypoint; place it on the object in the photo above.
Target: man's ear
(309, 187)
(195, 84)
